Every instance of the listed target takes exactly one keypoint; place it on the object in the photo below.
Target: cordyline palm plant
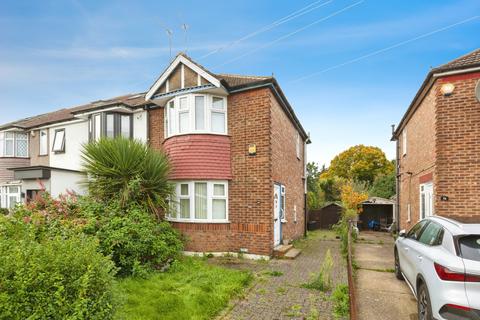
(127, 170)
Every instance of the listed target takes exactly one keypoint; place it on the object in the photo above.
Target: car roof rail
(451, 221)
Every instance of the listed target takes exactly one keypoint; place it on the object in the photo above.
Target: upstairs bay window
(196, 114)
(110, 125)
(200, 201)
(14, 144)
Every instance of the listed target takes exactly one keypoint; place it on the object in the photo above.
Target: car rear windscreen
(470, 247)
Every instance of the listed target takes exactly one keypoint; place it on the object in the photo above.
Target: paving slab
(380, 294)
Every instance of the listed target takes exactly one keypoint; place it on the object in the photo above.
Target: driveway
(278, 293)
(380, 295)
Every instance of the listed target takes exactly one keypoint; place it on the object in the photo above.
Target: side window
(432, 235)
(416, 231)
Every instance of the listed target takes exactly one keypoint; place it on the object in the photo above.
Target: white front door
(426, 200)
(277, 223)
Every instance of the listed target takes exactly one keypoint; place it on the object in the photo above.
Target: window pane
(9, 148)
(183, 104)
(13, 189)
(470, 247)
(217, 103)
(2, 145)
(218, 190)
(184, 189)
(110, 130)
(431, 234)
(183, 119)
(171, 117)
(416, 230)
(200, 200)
(21, 142)
(59, 141)
(219, 208)
(98, 127)
(13, 201)
(185, 208)
(218, 122)
(199, 113)
(43, 142)
(125, 126)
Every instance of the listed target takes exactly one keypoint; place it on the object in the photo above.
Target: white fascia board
(59, 124)
(114, 108)
(173, 65)
(449, 73)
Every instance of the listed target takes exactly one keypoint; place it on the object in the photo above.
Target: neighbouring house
(325, 217)
(438, 151)
(236, 147)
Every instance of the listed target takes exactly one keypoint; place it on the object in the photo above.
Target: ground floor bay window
(10, 195)
(200, 201)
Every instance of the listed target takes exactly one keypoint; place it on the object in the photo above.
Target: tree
(129, 171)
(360, 163)
(312, 176)
(383, 186)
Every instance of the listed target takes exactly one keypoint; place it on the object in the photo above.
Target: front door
(426, 200)
(277, 223)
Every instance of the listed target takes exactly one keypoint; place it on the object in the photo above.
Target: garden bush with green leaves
(43, 277)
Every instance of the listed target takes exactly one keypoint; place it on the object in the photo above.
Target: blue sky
(56, 54)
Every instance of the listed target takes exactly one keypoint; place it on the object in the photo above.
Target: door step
(285, 251)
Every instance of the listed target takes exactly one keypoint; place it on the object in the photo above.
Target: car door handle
(420, 258)
(406, 249)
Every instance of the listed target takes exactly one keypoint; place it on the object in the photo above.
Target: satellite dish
(477, 91)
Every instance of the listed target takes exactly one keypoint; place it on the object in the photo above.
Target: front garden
(109, 254)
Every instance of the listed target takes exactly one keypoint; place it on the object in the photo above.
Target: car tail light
(456, 306)
(448, 275)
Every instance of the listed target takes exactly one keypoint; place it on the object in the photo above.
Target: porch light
(447, 89)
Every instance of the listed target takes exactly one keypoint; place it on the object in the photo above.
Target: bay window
(110, 125)
(196, 113)
(14, 144)
(200, 201)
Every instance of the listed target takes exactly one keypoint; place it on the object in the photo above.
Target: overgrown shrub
(136, 240)
(57, 277)
(4, 211)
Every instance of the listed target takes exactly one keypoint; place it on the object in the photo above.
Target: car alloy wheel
(423, 303)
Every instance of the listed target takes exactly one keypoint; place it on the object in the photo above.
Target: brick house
(438, 167)
(236, 147)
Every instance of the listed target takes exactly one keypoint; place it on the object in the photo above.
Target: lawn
(191, 289)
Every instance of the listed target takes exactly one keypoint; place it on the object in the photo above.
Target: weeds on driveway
(323, 281)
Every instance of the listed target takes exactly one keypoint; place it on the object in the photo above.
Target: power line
(291, 16)
(385, 49)
(292, 33)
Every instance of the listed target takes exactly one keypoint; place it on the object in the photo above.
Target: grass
(323, 280)
(274, 273)
(191, 289)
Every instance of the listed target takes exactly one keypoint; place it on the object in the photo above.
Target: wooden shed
(325, 217)
(376, 209)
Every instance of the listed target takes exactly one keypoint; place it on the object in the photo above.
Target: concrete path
(278, 293)
(380, 295)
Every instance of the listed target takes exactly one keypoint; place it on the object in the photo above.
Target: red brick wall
(288, 170)
(156, 128)
(457, 142)
(199, 156)
(419, 160)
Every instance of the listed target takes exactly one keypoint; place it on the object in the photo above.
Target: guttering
(454, 72)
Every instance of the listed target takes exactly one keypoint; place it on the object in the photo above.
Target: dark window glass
(470, 247)
(416, 231)
(432, 235)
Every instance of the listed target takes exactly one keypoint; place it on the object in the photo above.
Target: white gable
(180, 59)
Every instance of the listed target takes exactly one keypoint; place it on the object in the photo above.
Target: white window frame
(172, 117)
(14, 140)
(175, 216)
(404, 142)
(43, 142)
(5, 195)
(62, 148)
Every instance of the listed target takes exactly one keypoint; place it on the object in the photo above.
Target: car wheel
(398, 272)
(423, 303)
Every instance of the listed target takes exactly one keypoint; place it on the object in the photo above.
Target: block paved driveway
(275, 296)
(380, 295)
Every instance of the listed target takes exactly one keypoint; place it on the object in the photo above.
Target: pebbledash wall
(254, 117)
(443, 147)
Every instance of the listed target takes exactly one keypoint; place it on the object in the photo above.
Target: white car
(440, 260)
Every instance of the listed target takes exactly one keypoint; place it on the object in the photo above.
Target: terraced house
(437, 146)
(236, 146)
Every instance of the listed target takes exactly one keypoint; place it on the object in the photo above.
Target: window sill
(196, 133)
(13, 157)
(196, 221)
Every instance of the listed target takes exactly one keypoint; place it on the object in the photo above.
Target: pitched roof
(468, 60)
(131, 100)
(465, 62)
(235, 80)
